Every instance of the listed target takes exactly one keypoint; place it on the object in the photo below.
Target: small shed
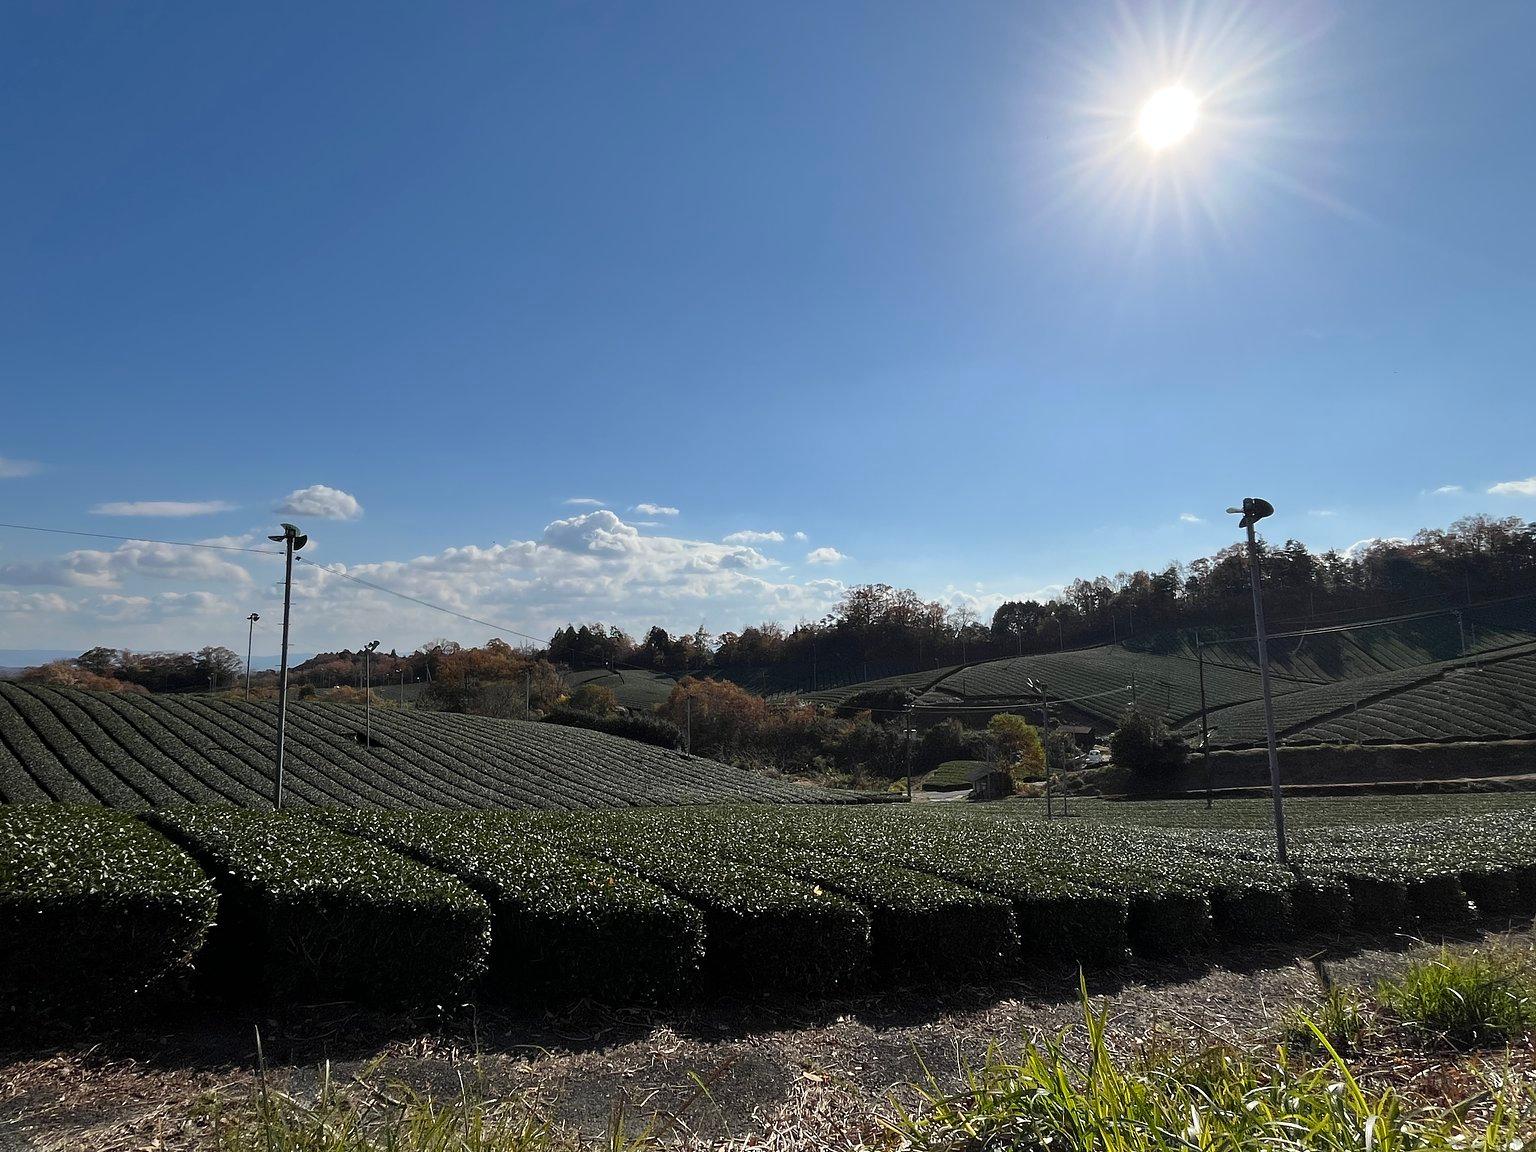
(989, 783)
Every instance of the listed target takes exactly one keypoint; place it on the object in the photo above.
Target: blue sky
(899, 278)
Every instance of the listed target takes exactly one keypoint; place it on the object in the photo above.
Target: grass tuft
(1473, 998)
(1055, 1097)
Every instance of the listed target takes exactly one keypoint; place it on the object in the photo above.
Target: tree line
(884, 630)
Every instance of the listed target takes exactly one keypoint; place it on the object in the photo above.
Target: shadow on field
(186, 1034)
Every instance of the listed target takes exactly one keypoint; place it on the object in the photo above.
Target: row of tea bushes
(653, 905)
(566, 926)
(94, 908)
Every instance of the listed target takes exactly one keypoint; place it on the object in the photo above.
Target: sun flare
(1167, 117)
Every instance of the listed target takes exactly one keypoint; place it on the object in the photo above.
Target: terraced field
(917, 681)
(136, 752)
(636, 688)
(1476, 697)
(1102, 682)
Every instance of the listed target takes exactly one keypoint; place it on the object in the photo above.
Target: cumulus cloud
(166, 508)
(95, 568)
(589, 565)
(1514, 488)
(1447, 490)
(801, 537)
(749, 536)
(583, 502)
(655, 510)
(824, 556)
(321, 501)
(1189, 518)
(11, 468)
(39, 602)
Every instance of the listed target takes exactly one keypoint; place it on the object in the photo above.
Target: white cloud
(749, 536)
(1323, 512)
(322, 501)
(583, 502)
(824, 556)
(167, 508)
(11, 469)
(655, 510)
(1448, 490)
(1514, 488)
(40, 602)
(1190, 518)
(801, 537)
(94, 568)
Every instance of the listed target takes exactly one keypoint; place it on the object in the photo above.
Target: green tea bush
(308, 913)
(564, 927)
(767, 933)
(95, 909)
(922, 928)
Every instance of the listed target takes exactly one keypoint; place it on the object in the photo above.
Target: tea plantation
(135, 752)
(654, 905)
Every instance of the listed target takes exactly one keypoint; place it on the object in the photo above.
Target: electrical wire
(424, 603)
(143, 540)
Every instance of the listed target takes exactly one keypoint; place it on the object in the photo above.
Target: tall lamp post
(368, 650)
(292, 540)
(250, 634)
(1252, 511)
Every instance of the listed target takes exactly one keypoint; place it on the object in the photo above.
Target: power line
(424, 603)
(142, 539)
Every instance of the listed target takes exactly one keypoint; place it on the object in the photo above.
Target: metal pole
(282, 687)
(906, 743)
(1269, 705)
(688, 725)
(1461, 632)
(250, 634)
(527, 693)
(367, 697)
(1205, 735)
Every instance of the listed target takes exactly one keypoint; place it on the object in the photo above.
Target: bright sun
(1167, 117)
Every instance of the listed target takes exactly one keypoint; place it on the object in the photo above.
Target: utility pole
(1254, 510)
(368, 650)
(906, 743)
(1205, 735)
(527, 693)
(1460, 630)
(250, 634)
(688, 724)
(402, 685)
(292, 540)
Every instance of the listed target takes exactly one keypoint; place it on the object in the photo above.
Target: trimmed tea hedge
(564, 926)
(307, 913)
(95, 909)
(921, 927)
(768, 933)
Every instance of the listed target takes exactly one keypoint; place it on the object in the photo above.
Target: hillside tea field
(654, 905)
(136, 752)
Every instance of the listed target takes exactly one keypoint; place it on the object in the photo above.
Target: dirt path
(815, 1076)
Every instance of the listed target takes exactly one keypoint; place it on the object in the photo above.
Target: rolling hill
(1483, 696)
(133, 752)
